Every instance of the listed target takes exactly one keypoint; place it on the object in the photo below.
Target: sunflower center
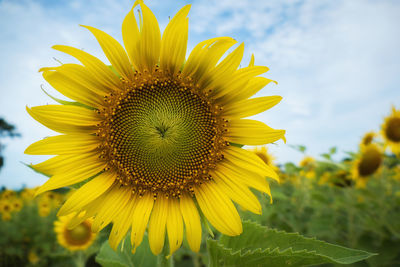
(370, 162)
(161, 135)
(393, 129)
(79, 235)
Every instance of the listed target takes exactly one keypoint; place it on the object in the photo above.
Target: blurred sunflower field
(354, 202)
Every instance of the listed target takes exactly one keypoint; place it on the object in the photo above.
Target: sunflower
(6, 208)
(368, 163)
(367, 138)
(44, 208)
(342, 178)
(391, 131)
(80, 237)
(263, 153)
(151, 136)
(7, 194)
(33, 258)
(308, 165)
(307, 161)
(27, 194)
(17, 204)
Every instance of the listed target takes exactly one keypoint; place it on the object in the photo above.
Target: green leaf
(300, 148)
(332, 150)
(260, 246)
(123, 256)
(326, 156)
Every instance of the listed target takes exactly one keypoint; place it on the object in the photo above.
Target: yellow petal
(251, 63)
(249, 160)
(250, 107)
(87, 212)
(58, 164)
(98, 69)
(192, 222)
(174, 42)
(72, 89)
(87, 167)
(114, 52)
(65, 118)
(245, 176)
(82, 76)
(88, 193)
(157, 224)
(114, 202)
(174, 225)
(252, 132)
(64, 144)
(140, 218)
(253, 86)
(205, 55)
(218, 209)
(238, 192)
(122, 223)
(131, 38)
(150, 40)
(223, 71)
(237, 83)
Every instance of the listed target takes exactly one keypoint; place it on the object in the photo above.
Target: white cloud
(336, 63)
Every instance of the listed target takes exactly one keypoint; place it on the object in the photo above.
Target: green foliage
(260, 246)
(123, 256)
(299, 148)
(6, 130)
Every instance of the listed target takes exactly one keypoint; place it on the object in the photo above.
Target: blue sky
(337, 63)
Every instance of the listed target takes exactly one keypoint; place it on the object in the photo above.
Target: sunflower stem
(164, 259)
(79, 259)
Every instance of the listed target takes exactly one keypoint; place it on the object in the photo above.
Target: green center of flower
(393, 130)
(162, 136)
(79, 235)
(370, 162)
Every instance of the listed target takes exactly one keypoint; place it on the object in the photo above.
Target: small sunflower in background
(28, 194)
(33, 258)
(79, 237)
(154, 132)
(7, 194)
(391, 131)
(17, 204)
(368, 163)
(342, 178)
(368, 138)
(396, 174)
(308, 165)
(6, 208)
(267, 157)
(44, 207)
(325, 178)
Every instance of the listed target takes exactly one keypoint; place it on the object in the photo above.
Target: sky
(337, 64)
